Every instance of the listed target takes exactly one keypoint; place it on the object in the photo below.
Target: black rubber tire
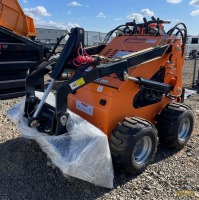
(123, 144)
(169, 123)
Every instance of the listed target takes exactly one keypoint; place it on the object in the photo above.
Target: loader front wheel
(175, 125)
(133, 144)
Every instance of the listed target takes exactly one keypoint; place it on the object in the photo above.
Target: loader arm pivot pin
(127, 77)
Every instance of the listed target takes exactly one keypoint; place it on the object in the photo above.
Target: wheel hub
(142, 150)
(183, 131)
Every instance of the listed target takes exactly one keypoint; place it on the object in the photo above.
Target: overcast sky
(104, 15)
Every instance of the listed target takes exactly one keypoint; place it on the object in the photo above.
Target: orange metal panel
(130, 43)
(12, 4)
(13, 18)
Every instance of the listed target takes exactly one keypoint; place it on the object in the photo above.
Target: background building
(50, 36)
(192, 43)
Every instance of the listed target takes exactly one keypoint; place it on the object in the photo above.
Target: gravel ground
(25, 172)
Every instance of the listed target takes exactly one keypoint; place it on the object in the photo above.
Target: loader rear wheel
(133, 144)
(175, 125)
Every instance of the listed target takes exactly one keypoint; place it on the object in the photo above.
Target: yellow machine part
(13, 18)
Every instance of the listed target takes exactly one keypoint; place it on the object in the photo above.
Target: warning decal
(77, 83)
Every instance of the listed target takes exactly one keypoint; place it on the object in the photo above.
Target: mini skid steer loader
(130, 88)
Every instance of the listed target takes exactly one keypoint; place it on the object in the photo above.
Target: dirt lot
(25, 172)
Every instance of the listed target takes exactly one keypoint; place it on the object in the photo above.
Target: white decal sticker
(103, 81)
(84, 108)
(151, 41)
(100, 88)
(99, 80)
(88, 69)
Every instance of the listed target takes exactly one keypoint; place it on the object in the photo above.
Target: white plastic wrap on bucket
(83, 152)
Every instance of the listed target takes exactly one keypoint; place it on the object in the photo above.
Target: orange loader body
(108, 100)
